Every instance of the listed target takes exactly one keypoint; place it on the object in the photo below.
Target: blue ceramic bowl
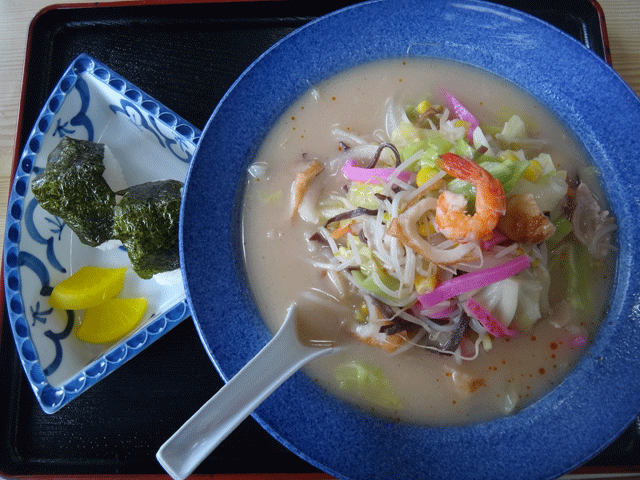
(594, 404)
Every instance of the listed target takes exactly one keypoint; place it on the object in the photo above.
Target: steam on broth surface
(446, 377)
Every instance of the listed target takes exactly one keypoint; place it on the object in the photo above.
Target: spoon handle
(217, 418)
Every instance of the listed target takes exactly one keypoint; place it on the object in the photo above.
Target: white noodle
(394, 255)
(409, 343)
(346, 137)
(327, 236)
(380, 135)
(507, 250)
(410, 267)
(337, 281)
(336, 267)
(354, 248)
(427, 323)
(327, 301)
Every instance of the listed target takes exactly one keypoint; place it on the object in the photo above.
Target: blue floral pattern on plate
(90, 102)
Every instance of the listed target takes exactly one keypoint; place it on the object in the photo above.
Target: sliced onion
(488, 321)
(473, 280)
(461, 112)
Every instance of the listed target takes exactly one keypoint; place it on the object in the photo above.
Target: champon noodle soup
(447, 223)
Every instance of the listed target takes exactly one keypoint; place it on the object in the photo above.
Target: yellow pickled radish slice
(88, 287)
(112, 320)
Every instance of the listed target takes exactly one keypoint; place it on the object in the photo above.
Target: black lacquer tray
(185, 55)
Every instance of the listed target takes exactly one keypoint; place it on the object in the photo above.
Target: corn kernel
(507, 155)
(362, 313)
(487, 344)
(533, 172)
(463, 123)
(425, 228)
(425, 174)
(425, 284)
(422, 107)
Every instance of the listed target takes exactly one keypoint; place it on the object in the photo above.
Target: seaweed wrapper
(72, 187)
(146, 221)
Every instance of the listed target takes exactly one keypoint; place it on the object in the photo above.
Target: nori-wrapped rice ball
(146, 222)
(71, 187)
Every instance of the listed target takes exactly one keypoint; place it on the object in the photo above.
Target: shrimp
(524, 222)
(451, 219)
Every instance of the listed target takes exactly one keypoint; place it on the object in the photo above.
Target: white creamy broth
(423, 386)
